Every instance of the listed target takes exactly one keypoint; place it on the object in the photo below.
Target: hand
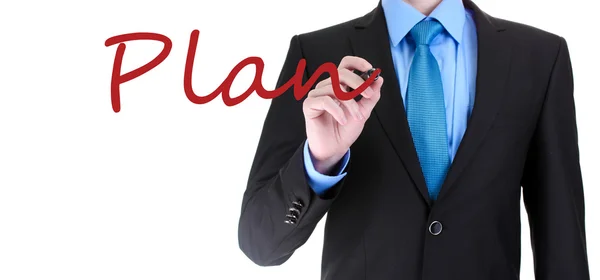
(333, 125)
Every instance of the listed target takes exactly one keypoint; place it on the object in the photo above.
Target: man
(422, 177)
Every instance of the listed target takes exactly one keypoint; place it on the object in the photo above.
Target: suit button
(294, 212)
(298, 204)
(435, 228)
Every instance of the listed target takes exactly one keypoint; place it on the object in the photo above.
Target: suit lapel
(493, 61)
(371, 42)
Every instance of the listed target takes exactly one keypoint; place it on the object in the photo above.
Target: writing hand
(333, 125)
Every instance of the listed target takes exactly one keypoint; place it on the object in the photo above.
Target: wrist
(327, 166)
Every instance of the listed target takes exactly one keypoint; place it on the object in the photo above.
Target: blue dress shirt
(455, 50)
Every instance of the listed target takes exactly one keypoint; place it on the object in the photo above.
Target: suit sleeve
(552, 182)
(321, 183)
(279, 208)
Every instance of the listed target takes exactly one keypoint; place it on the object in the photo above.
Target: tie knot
(424, 31)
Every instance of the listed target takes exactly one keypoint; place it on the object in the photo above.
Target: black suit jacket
(521, 138)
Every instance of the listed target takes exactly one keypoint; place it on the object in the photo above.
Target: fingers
(355, 63)
(367, 103)
(324, 83)
(350, 79)
(315, 106)
(347, 79)
(353, 108)
(350, 105)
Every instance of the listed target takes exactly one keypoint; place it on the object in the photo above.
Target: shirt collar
(401, 17)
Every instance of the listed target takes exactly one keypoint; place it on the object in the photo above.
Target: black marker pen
(364, 75)
(367, 74)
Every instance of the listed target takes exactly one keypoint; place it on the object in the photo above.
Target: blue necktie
(425, 108)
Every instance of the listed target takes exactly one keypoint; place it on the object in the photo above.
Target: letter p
(117, 78)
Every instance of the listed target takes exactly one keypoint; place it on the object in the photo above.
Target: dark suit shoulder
(527, 30)
(531, 38)
(534, 49)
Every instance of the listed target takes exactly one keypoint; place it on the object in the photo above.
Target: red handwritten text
(300, 90)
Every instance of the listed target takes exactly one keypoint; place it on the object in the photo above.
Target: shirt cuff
(320, 183)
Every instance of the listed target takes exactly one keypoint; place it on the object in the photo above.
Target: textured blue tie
(425, 108)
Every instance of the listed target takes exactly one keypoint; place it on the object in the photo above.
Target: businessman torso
(381, 223)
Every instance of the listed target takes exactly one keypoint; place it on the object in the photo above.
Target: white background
(154, 192)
